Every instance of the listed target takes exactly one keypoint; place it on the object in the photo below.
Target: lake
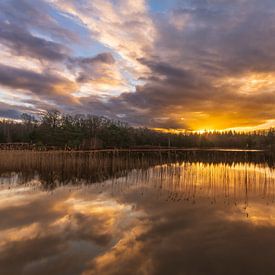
(171, 212)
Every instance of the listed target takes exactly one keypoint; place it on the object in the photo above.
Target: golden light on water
(107, 225)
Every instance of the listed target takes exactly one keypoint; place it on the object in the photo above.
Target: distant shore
(137, 150)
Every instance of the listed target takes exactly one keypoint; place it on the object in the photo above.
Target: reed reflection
(155, 215)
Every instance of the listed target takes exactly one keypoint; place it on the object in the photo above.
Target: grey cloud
(30, 14)
(106, 58)
(92, 68)
(23, 43)
(13, 111)
(9, 113)
(45, 84)
(21, 20)
(235, 36)
(163, 68)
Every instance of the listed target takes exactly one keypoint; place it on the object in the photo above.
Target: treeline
(57, 130)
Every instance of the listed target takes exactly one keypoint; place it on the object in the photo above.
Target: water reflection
(154, 215)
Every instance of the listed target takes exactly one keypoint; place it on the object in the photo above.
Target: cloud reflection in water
(181, 218)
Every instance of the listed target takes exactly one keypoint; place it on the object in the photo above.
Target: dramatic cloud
(100, 70)
(35, 15)
(23, 43)
(197, 65)
(45, 85)
(213, 67)
(122, 25)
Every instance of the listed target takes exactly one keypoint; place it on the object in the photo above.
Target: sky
(165, 64)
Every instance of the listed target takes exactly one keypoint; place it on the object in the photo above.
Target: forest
(84, 132)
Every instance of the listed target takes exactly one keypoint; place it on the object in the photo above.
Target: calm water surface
(197, 213)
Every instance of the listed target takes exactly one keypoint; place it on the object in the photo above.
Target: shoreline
(139, 150)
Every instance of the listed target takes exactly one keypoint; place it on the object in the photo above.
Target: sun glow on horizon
(211, 131)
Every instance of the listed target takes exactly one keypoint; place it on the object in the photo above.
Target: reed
(174, 176)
